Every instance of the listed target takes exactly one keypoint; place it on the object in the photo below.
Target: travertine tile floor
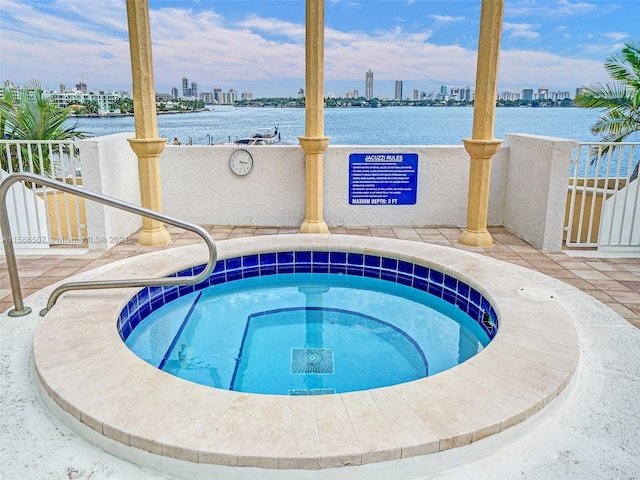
(613, 281)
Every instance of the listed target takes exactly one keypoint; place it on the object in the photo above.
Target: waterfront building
(398, 95)
(527, 94)
(560, 95)
(228, 98)
(543, 94)
(106, 100)
(416, 94)
(207, 98)
(368, 86)
(194, 90)
(217, 95)
(174, 93)
(246, 96)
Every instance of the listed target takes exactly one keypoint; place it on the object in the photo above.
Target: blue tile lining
(441, 285)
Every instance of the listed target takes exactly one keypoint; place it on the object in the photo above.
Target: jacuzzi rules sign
(383, 178)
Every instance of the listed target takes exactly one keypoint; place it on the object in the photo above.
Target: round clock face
(241, 162)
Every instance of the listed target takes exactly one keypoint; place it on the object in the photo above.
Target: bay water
(358, 126)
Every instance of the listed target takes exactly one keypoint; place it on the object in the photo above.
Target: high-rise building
(368, 85)
(174, 93)
(543, 93)
(186, 91)
(217, 95)
(398, 90)
(527, 94)
(82, 87)
(194, 89)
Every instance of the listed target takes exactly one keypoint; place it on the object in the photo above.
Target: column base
(314, 227)
(154, 238)
(476, 239)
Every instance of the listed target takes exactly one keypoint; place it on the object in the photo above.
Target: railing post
(19, 310)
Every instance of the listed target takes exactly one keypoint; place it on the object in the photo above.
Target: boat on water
(264, 136)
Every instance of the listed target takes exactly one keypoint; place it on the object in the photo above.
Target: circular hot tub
(95, 384)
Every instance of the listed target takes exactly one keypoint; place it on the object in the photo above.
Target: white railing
(603, 203)
(41, 216)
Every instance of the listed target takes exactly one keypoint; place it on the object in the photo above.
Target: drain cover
(312, 360)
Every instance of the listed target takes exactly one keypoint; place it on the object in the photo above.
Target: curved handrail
(20, 309)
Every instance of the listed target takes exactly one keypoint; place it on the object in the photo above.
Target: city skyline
(258, 47)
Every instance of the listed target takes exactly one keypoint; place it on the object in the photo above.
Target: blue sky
(258, 46)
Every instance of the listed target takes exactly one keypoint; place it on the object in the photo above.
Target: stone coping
(85, 368)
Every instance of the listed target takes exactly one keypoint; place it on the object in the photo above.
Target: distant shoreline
(176, 112)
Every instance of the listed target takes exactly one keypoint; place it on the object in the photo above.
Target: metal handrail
(7, 239)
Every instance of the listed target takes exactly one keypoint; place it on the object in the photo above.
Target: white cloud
(520, 30)
(446, 18)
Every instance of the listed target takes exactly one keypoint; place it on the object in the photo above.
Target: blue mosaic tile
(320, 268)
(267, 259)
(284, 258)
(389, 263)
(451, 283)
(333, 268)
(387, 275)
(484, 304)
(144, 311)
(233, 263)
(170, 294)
(303, 268)
(371, 272)
(286, 268)
(303, 257)
(355, 259)
(475, 296)
(420, 284)
(421, 272)
(320, 257)
(233, 275)
(250, 261)
(219, 267)
(405, 267)
(338, 257)
(463, 289)
(462, 304)
(449, 296)
(157, 302)
(185, 290)
(435, 290)
(352, 270)
(436, 277)
(405, 279)
(371, 261)
(254, 272)
(268, 270)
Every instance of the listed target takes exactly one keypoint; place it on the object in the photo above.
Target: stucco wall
(110, 167)
(536, 193)
(198, 186)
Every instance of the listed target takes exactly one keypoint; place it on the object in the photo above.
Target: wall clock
(241, 162)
